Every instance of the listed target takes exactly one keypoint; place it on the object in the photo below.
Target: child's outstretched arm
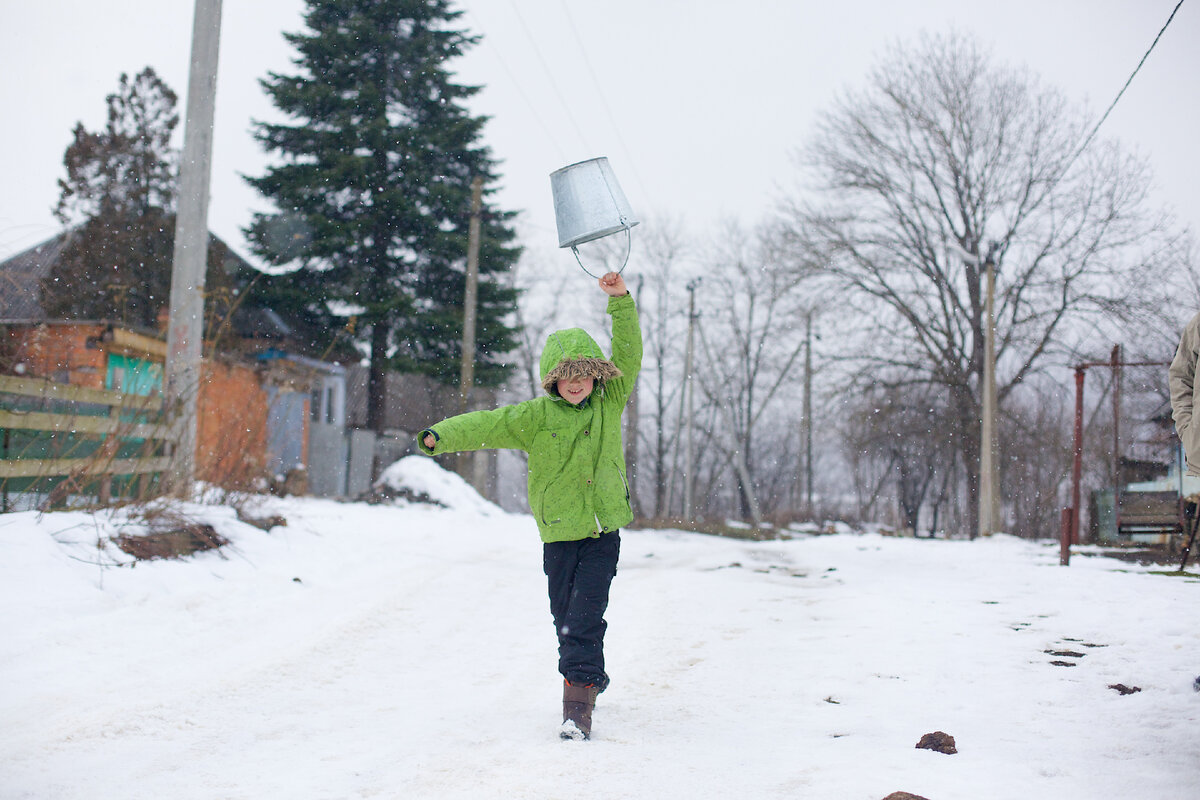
(507, 427)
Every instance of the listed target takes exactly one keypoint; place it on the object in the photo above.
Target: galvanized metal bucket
(589, 204)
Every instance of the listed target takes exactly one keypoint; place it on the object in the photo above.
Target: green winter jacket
(577, 483)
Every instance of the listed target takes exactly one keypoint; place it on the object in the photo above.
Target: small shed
(306, 425)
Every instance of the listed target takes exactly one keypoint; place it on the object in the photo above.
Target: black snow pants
(579, 574)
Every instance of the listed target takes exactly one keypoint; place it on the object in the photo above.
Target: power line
(603, 100)
(549, 75)
(1113, 104)
(521, 91)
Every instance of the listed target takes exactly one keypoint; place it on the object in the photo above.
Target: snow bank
(422, 476)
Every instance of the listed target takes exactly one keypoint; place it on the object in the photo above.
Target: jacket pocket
(562, 501)
(624, 479)
(612, 492)
(1191, 445)
(546, 458)
(553, 497)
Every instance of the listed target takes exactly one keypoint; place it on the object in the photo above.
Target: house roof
(260, 323)
(254, 326)
(21, 277)
(22, 274)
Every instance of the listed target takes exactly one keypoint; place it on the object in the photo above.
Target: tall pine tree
(118, 198)
(373, 191)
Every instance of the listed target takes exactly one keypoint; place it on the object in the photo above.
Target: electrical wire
(1113, 104)
(603, 100)
(549, 75)
(520, 89)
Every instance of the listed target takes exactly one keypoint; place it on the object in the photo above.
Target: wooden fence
(63, 445)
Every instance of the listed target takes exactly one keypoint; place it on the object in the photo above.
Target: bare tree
(945, 152)
(750, 340)
(899, 442)
(662, 246)
(1034, 426)
(870, 467)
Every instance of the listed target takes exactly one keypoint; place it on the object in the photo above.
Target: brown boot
(578, 702)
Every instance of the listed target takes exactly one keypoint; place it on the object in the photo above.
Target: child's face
(576, 389)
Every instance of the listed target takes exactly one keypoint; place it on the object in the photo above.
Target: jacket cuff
(617, 302)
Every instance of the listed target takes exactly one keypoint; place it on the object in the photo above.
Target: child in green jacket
(578, 490)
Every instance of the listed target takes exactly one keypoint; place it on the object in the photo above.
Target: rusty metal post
(1077, 466)
(1064, 536)
(1116, 454)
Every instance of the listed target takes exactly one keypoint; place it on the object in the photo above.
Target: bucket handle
(628, 247)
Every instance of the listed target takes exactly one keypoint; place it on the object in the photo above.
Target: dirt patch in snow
(178, 542)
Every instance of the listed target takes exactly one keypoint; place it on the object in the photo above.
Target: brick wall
(57, 352)
(231, 443)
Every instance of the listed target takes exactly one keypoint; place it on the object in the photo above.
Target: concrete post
(989, 483)
(688, 466)
(185, 330)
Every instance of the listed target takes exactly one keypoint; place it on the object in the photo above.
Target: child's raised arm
(613, 284)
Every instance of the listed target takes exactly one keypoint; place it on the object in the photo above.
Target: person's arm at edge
(1182, 377)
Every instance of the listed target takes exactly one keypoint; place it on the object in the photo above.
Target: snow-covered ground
(406, 651)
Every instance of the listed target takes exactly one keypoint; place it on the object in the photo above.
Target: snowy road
(407, 652)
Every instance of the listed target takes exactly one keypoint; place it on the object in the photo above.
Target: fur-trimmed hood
(572, 353)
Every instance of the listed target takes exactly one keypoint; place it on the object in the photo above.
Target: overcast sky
(699, 105)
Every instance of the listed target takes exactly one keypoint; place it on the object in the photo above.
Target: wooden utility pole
(807, 425)
(185, 332)
(989, 466)
(476, 472)
(688, 466)
(471, 296)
